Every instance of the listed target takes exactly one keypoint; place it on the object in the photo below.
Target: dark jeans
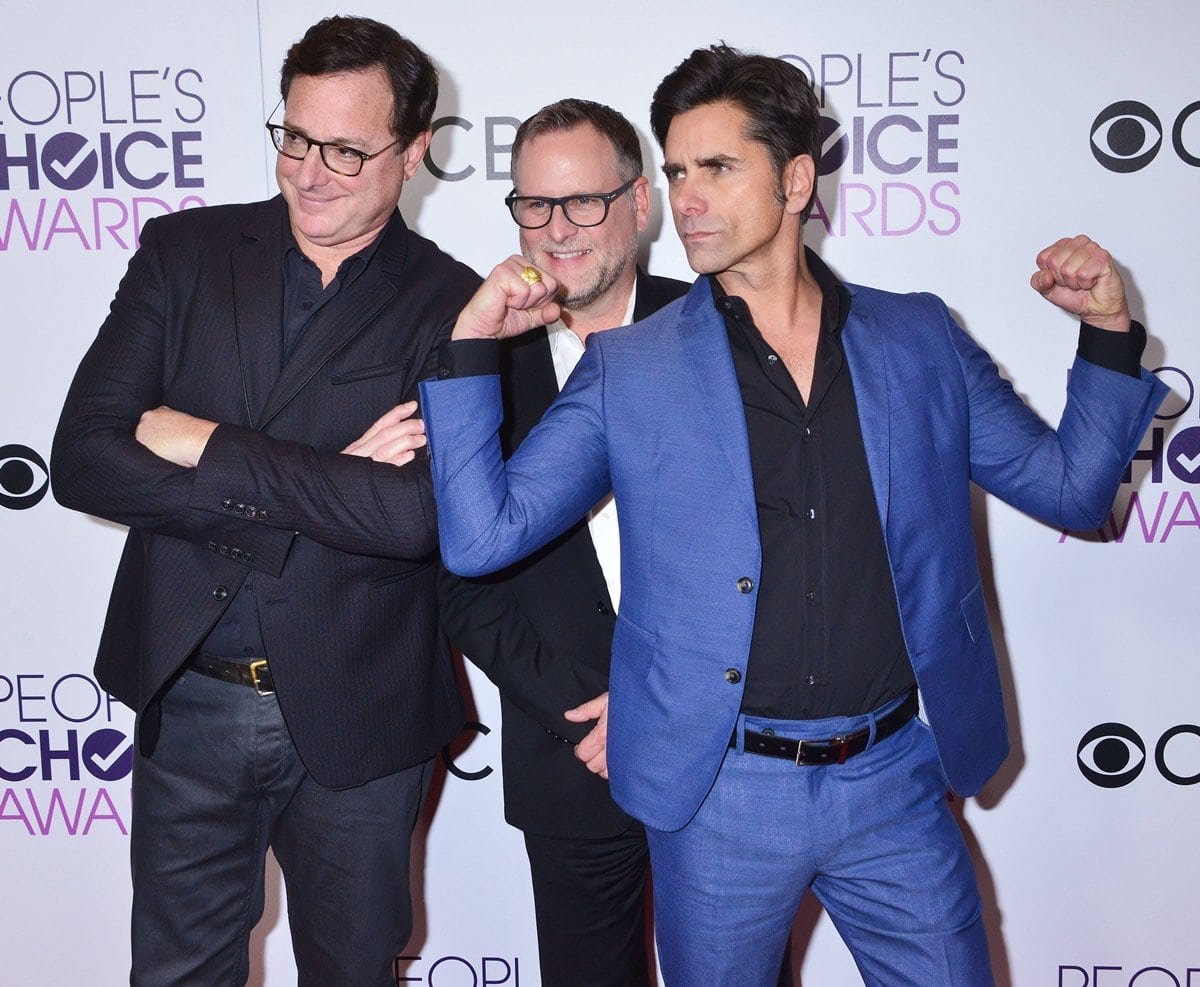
(223, 784)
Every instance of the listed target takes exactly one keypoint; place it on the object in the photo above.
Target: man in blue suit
(792, 459)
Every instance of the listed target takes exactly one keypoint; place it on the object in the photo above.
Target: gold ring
(531, 275)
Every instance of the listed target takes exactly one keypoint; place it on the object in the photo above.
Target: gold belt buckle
(256, 668)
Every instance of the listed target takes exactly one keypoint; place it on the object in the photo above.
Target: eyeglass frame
(608, 198)
(363, 156)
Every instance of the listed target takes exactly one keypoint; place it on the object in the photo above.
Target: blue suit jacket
(654, 412)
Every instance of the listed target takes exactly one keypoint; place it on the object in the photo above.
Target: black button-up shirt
(827, 638)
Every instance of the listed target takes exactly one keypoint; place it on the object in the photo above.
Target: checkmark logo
(108, 755)
(1183, 455)
(68, 162)
(1189, 463)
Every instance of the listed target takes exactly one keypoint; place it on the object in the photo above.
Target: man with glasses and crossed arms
(273, 620)
(542, 630)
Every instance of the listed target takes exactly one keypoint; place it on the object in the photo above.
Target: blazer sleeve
(98, 466)
(485, 620)
(1067, 476)
(492, 513)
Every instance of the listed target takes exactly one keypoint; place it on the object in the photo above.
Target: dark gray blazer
(344, 549)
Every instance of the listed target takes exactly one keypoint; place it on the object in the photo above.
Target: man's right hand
(507, 305)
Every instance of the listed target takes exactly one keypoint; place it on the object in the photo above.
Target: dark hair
(355, 44)
(567, 114)
(776, 96)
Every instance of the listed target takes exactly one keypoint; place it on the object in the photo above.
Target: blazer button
(239, 508)
(602, 607)
(220, 593)
(251, 511)
(733, 676)
(212, 545)
(262, 515)
(745, 584)
(235, 553)
(224, 549)
(247, 557)
(227, 504)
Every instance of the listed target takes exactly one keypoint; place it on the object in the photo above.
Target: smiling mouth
(566, 254)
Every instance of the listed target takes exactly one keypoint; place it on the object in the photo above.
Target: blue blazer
(654, 412)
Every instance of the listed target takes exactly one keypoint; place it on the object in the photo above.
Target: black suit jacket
(344, 549)
(542, 629)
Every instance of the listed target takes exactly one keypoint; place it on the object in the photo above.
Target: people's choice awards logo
(1112, 755)
(1155, 501)
(24, 477)
(1127, 135)
(87, 156)
(64, 763)
(890, 125)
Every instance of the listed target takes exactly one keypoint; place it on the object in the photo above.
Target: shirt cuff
(468, 358)
(1119, 351)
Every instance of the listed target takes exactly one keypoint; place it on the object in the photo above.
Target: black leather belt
(835, 750)
(256, 675)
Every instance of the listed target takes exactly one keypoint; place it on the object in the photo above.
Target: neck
(328, 258)
(778, 288)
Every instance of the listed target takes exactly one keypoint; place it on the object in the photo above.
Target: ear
(799, 180)
(415, 152)
(641, 202)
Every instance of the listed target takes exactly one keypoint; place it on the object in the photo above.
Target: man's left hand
(1079, 276)
(174, 436)
(593, 749)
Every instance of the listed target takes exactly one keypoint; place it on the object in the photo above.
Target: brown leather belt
(835, 750)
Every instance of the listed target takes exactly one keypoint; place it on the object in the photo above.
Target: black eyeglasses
(532, 212)
(338, 158)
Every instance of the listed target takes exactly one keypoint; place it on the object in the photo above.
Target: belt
(256, 675)
(835, 750)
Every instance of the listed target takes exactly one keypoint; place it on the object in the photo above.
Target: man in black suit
(542, 630)
(273, 620)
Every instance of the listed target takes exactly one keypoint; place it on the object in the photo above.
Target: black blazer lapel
(331, 330)
(256, 271)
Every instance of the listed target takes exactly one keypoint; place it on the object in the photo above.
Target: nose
(560, 228)
(312, 170)
(687, 197)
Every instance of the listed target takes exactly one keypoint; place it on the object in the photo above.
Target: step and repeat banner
(960, 141)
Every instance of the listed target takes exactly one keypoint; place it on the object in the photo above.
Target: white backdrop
(965, 140)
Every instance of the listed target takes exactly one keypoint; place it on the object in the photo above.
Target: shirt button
(220, 593)
(745, 584)
(733, 676)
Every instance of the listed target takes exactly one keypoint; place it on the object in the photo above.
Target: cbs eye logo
(24, 477)
(1112, 755)
(1128, 135)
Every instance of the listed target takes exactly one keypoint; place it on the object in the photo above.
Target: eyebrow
(354, 142)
